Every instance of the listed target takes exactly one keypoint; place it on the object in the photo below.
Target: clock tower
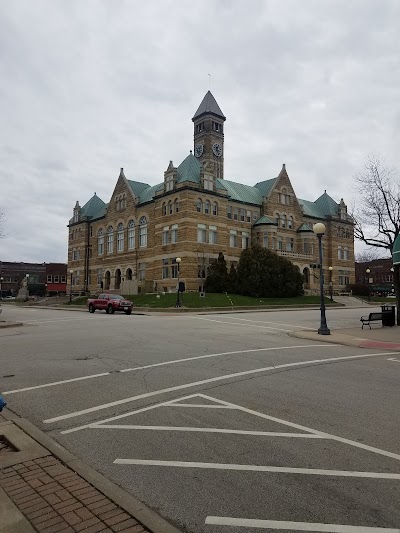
(209, 136)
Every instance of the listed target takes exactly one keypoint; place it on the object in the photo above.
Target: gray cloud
(88, 87)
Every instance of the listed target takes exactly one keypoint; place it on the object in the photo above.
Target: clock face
(198, 151)
(217, 149)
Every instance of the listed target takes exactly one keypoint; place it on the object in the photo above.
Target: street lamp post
(319, 230)
(368, 271)
(330, 283)
(27, 286)
(1, 287)
(70, 287)
(178, 301)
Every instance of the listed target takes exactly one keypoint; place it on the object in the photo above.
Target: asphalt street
(219, 422)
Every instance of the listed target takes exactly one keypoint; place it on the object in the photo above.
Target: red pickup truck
(110, 303)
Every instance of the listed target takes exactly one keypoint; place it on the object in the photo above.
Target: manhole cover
(6, 446)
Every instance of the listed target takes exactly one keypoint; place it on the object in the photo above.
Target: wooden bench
(372, 317)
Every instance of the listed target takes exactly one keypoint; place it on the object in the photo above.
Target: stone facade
(130, 244)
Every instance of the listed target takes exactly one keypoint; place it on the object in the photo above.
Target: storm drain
(6, 446)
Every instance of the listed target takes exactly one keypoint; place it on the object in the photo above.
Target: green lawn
(193, 300)
(382, 299)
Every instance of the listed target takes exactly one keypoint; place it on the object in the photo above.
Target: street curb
(119, 496)
(346, 340)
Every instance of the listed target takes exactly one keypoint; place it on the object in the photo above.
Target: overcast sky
(87, 87)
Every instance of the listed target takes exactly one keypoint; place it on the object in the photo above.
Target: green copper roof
(310, 209)
(209, 106)
(396, 251)
(92, 207)
(264, 220)
(148, 194)
(305, 228)
(265, 186)
(326, 204)
(240, 192)
(189, 170)
(138, 187)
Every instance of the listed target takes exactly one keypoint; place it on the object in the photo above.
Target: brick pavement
(54, 498)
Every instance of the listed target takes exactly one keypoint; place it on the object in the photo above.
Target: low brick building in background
(380, 277)
(131, 243)
(13, 273)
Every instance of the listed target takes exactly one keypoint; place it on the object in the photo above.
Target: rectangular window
(340, 256)
(49, 278)
(245, 240)
(165, 235)
(174, 269)
(142, 271)
(344, 277)
(233, 239)
(201, 233)
(110, 243)
(235, 213)
(56, 279)
(120, 241)
(100, 248)
(131, 238)
(169, 183)
(289, 244)
(212, 234)
(63, 279)
(248, 216)
(165, 269)
(143, 236)
(99, 276)
(215, 209)
(209, 183)
(174, 233)
(242, 214)
(280, 243)
(229, 211)
(265, 241)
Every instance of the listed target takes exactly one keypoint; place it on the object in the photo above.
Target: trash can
(388, 315)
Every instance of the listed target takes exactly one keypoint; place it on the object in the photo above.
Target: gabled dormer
(170, 176)
(77, 213)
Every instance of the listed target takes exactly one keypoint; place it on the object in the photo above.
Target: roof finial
(209, 82)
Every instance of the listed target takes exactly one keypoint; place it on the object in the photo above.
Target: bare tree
(368, 255)
(377, 211)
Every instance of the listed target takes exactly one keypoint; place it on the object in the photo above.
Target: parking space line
(204, 382)
(239, 324)
(393, 359)
(210, 430)
(166, 363)
(304, 428)
(202, 406)
(268, 322)
(294, 526)
(258, 468)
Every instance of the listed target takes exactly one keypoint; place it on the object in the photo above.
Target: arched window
(124, 201)
(110, 240)
(164, 209)
(170, 207)
(199, 206)
(215, 208)
(117, 203)
(129, 274)
(176, 205)
(120, 237)
(143, 232)
(283, 221)
(207, 207)
(131, 235)
(277, 219)
(290, 223)
(100, 242)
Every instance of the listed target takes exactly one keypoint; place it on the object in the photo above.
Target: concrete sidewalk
(377, 337)
(45, 489)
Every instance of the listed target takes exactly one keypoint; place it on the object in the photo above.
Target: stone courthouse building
(130, 244)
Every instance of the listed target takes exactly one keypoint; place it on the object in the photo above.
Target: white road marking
(210, 430)
(294, 526)
(266, 322)
(202, 406)
(166, 363)
(393, 359)
(259, 468)
(43, 321)
(239, 324)
(356, 444)
(204, 382)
